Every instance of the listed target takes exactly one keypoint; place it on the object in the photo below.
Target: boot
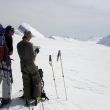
(5, 101)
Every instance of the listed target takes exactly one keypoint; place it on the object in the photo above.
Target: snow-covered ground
(86, 69)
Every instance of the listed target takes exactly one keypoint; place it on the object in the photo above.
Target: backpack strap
(2, 45)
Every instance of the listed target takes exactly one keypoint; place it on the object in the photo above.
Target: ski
(32, 104)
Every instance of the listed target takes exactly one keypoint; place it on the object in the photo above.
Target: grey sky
(80, 18)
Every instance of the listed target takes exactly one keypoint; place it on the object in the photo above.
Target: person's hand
(37, 50)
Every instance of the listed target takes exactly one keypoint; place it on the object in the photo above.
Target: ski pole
(50, 62)
(42, 105)
(59, 56)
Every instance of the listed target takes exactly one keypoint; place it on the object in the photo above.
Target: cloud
(59, 16)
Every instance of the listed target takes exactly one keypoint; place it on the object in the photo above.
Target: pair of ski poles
(51, 64)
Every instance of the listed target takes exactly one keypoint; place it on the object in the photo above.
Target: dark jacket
(9, 42)
(27, 57)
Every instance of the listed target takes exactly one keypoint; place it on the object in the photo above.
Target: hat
(9, 28)
(2, 30)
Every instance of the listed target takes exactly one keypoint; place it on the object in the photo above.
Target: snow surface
(86, 69)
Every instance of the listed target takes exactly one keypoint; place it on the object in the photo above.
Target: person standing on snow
(30, 73)
(5, 68)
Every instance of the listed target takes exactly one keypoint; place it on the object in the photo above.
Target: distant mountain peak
(24, 27)
(105, 41)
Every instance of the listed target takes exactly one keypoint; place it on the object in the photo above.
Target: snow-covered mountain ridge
(105, 41)
(24, 26)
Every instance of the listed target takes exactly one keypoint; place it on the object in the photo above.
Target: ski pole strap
(58, 55)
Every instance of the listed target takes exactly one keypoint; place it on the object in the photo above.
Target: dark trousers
(32, 86)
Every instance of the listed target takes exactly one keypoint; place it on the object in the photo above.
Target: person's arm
(9, 43)
(32, 52)
(11, 47)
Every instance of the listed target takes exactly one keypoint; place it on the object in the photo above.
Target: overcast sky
(80, 18)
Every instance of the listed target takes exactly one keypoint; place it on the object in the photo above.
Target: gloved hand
(37, 50)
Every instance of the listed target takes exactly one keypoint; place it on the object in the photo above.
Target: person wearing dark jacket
(6, 66)
(30, 73)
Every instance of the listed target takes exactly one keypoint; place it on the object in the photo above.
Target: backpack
(2, 47)
(43, 94)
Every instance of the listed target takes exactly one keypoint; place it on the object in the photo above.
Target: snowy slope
(24, 26)
(105, 41)
(86, 69)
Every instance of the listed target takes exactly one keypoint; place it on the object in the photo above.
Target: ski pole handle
(58, 55)
(50, 58)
